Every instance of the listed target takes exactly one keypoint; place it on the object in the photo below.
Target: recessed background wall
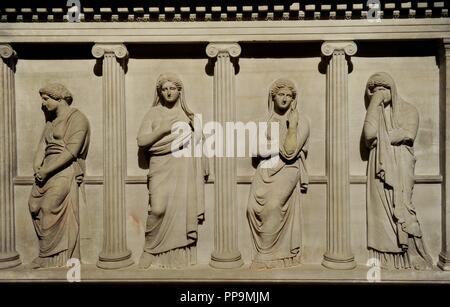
(78, 76)
(417, 82)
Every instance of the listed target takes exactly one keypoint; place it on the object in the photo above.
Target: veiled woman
(394, 235)
(175, 183)
(59, 166)
(273, 210)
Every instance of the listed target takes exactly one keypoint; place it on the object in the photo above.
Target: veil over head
(385, 80)
(170, 77)
(275, 87)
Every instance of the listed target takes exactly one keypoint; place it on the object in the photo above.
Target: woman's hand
(380, 96)
(377, 98)
(35, 168)
(160, 129)
(166, 125)
(41, 175)
(79, 179)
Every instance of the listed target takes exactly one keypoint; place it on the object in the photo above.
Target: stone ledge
(314, 179)
(257, 31)
(304, 273)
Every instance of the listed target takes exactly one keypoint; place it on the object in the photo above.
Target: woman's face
(49, 103)
(283, 99)
(170, 92)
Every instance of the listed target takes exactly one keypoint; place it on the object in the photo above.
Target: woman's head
(169, 87)
(57, 92)
(169, 90)
(53, 95)
(282, 96)
(380, 82)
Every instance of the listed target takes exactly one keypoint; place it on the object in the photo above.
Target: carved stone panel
(270, 142)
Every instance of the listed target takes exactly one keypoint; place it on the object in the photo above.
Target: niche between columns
(413, 66)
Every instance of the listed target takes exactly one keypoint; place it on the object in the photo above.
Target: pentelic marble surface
(297, 143)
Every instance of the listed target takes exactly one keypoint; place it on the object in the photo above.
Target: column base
(226, 263)
(113, 262)
(339, 264)
(444, 261)
(10, 260)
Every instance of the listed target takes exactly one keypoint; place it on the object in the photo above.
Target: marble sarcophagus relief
(270, 142)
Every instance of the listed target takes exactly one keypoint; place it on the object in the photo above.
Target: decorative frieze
(297, 10)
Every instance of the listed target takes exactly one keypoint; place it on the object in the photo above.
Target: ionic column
(444, 144)
(226, 253)
(115, 253)
(338, 254)
(8, 255)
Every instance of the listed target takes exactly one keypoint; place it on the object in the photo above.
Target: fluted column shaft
(338, 254)
(8, 254)
(444, 256)
(115, 253)
(226, 253)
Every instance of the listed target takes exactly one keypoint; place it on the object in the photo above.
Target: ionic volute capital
(9, 55)
(214, 49)
(329, 47)
(101, 49)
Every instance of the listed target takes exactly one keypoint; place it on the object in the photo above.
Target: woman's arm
(148, 139)
(370, 128)
(76, 135)
(39, 154)
(147, 136)
(62, 161)
(290, 144)
(303, 133)
(407, 133)
(296, 140)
